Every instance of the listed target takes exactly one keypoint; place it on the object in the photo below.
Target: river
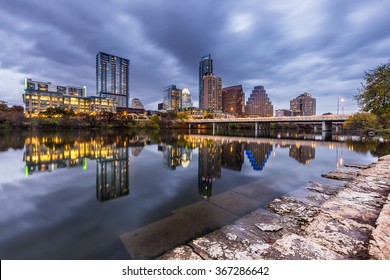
(109, 195)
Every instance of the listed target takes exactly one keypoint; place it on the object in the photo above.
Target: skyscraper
(212, 93)
(205, 67)
(112, 78)
(186, 100)
(258, 103)
(233, 100)
(303, 105)
(171, 97)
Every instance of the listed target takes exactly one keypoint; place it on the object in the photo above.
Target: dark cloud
(322, 47)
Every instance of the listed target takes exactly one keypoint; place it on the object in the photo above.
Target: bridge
(326, 121)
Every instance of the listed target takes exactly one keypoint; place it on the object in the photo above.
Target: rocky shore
(339, 221)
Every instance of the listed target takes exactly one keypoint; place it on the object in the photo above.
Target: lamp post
(340, 99)
(342, 106)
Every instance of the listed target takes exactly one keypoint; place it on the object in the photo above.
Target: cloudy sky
(289, 46)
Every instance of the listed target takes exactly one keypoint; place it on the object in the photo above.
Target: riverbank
(338, 221)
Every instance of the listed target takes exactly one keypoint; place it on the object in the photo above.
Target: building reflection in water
(111, 155)
(302, 153)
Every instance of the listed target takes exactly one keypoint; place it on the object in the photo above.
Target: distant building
(303, 105)
(172, 97)
(212, 93)
(258, 104)
(160, 106)
(38, 96)
(186, 100)
(233, 100)
(137, 104)
(283, 113)
(205, 68)
(112, 78)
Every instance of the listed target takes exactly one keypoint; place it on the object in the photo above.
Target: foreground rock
(330, 222)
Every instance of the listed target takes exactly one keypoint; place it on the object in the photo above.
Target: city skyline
(289, 47)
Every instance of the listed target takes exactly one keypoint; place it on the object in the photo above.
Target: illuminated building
(39, 96)
(233, 100)
(205, 67)
(186, 100)
(258, 104)
(112, 78)
(233, 156)
(212, 93)
(171, 98)
(303, 105)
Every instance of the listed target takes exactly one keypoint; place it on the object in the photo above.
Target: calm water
(71, 194)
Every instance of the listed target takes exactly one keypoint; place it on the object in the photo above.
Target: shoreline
(334, 222)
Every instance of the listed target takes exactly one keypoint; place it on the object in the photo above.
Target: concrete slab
(181, 253)
(209, 215)
(154, 239)
(235, 202)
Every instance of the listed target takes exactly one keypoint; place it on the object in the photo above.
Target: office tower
(171, 98)
(233, 100)
(212, 93)
(205, 67)
(186, 100)
(137, 104)
(303, 105)
(112, 78)
(258, 104)
(258, 154)
(38, 96)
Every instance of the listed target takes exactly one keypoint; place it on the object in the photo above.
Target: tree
(362, 121)
(374, 96)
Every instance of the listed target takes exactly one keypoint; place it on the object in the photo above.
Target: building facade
(233, 100)
(259, 104)
(303, 105)
(205, 68)
(186, 100)
(212, 93)
(172, 98)
(38, 96)
(112, 78)
(137, 104)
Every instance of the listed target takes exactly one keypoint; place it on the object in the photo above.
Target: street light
(340, 99)
(342, 106)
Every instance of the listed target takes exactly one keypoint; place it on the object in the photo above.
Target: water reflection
(47, 153)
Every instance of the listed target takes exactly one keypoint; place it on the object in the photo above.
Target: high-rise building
(205, 67)
(212, 93)
(303, 105)
(137, 104)
(172, 98)
(186, 100)
(233, 100)
(112, 78)
(258, 103)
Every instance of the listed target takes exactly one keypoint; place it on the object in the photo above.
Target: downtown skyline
(289, 47)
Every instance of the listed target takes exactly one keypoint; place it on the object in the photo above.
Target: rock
(325, 189)
(295, 247)
(341, 175)
(379, 247)
(357, 165)
(268, 227)
(181, 253)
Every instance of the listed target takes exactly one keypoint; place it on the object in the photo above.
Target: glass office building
(112, 78)
(205, 68)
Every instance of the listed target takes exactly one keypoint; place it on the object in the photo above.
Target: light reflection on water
(70, 195)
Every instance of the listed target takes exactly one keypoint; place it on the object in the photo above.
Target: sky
(322, 47)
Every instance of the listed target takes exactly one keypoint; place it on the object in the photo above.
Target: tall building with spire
(186, 100)
(112, 78)
(205, 68)
(258, 103)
